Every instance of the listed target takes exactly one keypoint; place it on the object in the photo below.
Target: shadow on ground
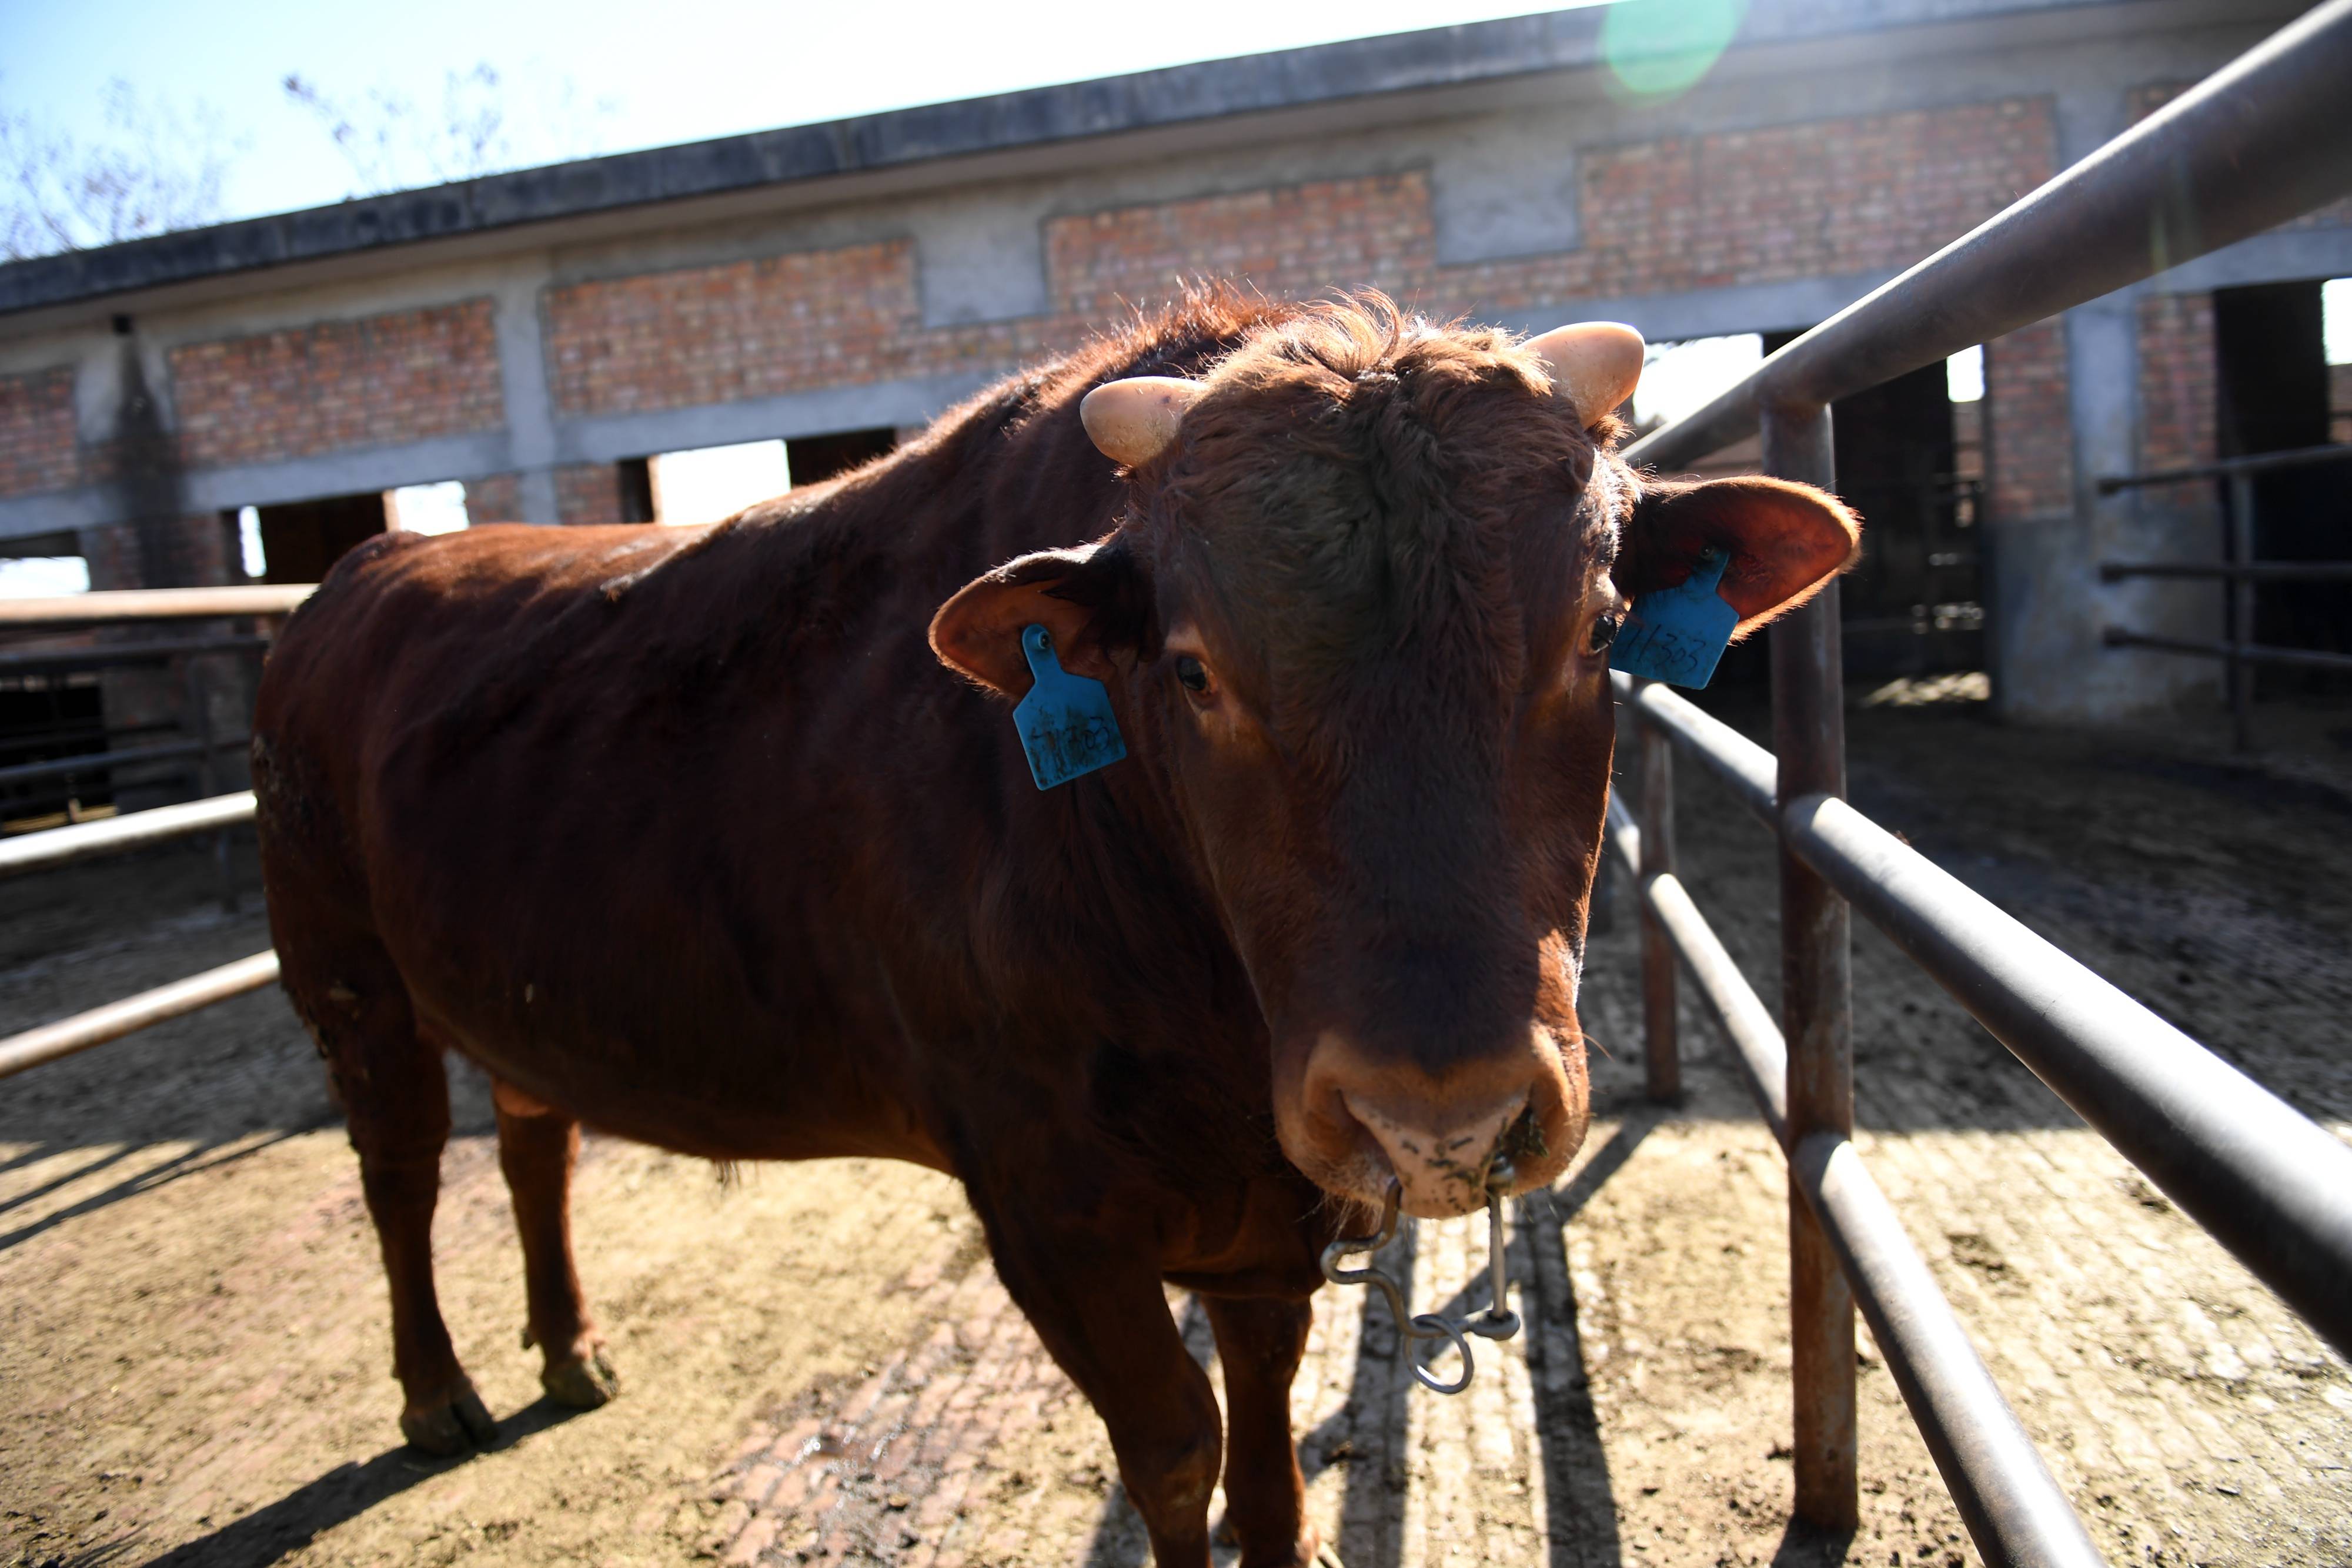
(269, 1533)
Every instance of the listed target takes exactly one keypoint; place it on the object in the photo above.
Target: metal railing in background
(115, 1020)
(116, 835)
(115, 606)
(2258, 143)
(2238, 571)
(113, 759)
(51, 848)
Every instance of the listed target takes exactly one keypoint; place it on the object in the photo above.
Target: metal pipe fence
(2240, 574)
(91, 763)
(2002, 1489)
(2257, 144)
(2228, 467)
(115, 1020)
(2241, 654)
(116, 835)
(114, 607)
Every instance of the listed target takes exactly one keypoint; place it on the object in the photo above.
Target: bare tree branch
(393, 143)
(154, 171)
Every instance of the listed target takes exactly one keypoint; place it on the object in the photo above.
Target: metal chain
(1498, 1322)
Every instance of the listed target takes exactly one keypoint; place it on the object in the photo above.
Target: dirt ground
(818, 1364)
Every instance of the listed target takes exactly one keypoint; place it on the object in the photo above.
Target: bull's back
(531, 764)
(390, 651)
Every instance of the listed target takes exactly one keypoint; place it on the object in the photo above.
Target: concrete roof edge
(1028, 118)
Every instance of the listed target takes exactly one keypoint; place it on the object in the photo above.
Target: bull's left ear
(1782, 540)
(1089, 598)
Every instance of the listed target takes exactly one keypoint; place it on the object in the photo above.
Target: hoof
(459, 1423)
(582, 1383)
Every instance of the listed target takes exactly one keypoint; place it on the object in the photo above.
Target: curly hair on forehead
(1217, 331)
(1365, 336)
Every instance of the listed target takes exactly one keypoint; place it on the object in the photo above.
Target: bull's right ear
(1089, 598)
(1781, 541)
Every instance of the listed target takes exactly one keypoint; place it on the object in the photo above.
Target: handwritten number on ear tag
(1676, 634)
(1065, 723)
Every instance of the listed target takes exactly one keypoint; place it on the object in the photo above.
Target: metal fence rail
(96, 762)
(115, 606)
(2241, 574)
(2256, 144)
(2268, 1184)
(2242, 653)
(115, 1020)
(87, 841)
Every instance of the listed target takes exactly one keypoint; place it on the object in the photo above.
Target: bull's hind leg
(537, 1146)
(395, 1097)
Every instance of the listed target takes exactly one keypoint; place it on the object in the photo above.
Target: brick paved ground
(819, 1366)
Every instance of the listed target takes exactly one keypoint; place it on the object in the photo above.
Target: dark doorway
(2271, 370)
(49, 711)
(635, 477)
(814, 459)
(47, 717)
(1914, 605)
(301, 540)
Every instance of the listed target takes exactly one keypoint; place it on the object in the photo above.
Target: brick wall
(1286, 241)
(2176, 381)
(1842, 195)
(407, 375)
(744, 329)
(494, 499)
(2029, 428)
(195, 551)
(38, 450)
(587, 493)
(1787, 202)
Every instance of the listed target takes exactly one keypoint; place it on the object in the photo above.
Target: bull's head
(1356, 620)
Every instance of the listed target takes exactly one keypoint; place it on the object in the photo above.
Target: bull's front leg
(1260, 1340)
(1104, 1317)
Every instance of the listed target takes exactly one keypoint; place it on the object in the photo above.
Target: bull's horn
(1134, 419)
(1594, 365)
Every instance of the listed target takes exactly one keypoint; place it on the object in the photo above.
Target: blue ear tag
(1677, 633)
(1065, 723)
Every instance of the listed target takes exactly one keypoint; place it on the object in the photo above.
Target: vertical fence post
(2241, 672)
(1661, 1055)
(1816, 1001)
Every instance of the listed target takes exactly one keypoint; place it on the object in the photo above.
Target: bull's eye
(1192, 675)
(1604, 632)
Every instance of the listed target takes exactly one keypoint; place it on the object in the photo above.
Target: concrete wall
(1835, 145)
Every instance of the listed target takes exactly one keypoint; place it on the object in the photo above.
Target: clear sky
(677, 72)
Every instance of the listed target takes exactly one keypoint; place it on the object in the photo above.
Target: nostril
(1441, 1158)
(1357, 1118)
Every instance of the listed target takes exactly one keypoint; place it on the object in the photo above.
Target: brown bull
(689, 835)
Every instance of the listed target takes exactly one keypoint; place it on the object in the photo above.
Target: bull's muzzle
(1361, 1121)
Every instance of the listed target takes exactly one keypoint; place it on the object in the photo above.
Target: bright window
(43, 576)
(1964, 375)
(426, 508)
(716, 482)
(1680, 379)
